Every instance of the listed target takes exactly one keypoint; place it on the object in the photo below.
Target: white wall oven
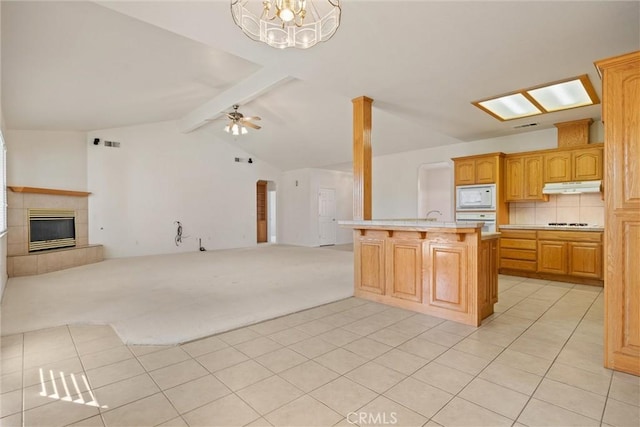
(489, 219)
(476, 197)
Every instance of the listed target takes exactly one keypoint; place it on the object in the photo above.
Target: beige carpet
(168, 299)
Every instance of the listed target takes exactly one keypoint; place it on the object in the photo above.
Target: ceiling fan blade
(252, 118)
(251, 125)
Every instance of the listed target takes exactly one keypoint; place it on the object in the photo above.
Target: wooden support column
(362, 158)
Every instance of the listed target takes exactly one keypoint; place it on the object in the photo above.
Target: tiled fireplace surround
(22, 263)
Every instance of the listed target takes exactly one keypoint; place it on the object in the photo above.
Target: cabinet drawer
(573, 236)
(518, 234)
(518, 254)
(515, 264)
(509, 243)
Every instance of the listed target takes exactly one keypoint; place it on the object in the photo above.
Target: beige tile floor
(536, 361)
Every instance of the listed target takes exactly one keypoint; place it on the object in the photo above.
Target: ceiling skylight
(555, 96)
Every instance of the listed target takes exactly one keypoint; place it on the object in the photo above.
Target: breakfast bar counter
(444, 269)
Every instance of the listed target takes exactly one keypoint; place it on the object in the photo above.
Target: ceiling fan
(239, 123)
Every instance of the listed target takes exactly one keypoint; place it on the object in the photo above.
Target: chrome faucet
(433, 211)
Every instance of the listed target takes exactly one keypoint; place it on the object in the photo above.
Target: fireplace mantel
(52, 191)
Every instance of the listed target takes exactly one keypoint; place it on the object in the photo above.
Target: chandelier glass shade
(287, 23)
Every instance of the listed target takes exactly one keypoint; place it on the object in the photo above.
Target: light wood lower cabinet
(448, 274)
(572, 253)
(572, 256)
(370, 276)
(488, 282)
(585, 260)
(447, 268)
(552, 257)
(403, 272)
(518, 250)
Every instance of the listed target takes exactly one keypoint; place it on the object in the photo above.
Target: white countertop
(409, 223)
(551, 227)
(417, 224)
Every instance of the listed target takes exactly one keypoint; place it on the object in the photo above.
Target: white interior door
(327, 216)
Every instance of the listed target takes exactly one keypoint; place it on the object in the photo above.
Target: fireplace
(51, 229)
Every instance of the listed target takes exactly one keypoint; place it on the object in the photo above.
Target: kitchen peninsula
(444, 269)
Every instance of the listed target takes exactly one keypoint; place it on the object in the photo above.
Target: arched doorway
(265, 211)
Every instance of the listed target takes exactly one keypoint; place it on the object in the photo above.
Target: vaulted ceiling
(96, 65)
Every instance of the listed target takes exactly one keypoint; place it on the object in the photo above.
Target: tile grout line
(84, 371)
(289, 327)
(339, 374)
(503, 350)
(146, 372)
(554, 361)
(22, 413)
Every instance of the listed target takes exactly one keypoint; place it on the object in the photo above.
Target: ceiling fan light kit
(239, 123)
(287, 23)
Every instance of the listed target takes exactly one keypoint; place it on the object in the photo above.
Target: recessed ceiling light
(510, 107)
(562, 96)
(547, 98)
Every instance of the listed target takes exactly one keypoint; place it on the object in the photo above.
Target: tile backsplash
(587, 207)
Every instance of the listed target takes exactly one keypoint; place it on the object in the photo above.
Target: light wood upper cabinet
(583, 164)
(476, 170)
(620, 112)
(465, 172)
(524, 178)
(557, 166)
(514, 174)
(486, 170)
(587, 164)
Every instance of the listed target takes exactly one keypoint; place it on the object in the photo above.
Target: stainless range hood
(572, 187)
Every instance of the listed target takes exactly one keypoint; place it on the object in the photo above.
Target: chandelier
(287, 23)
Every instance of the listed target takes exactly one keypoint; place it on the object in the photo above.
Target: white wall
(298, 205)
(3, 238)
(294, 208)
(47, 159)
(395, 176)
(160, 175)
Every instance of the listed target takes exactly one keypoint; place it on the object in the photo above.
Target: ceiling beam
(245, 91)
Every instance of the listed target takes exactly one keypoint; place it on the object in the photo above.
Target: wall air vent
(114, 144)
(527, 125)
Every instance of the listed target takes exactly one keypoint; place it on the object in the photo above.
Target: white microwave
(476, 197)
